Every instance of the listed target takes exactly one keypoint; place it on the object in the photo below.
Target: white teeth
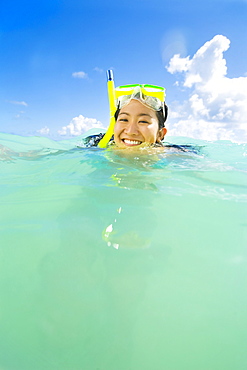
(132, 142)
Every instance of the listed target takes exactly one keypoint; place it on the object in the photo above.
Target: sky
(55, 54)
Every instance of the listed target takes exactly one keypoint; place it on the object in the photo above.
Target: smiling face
(137, 124)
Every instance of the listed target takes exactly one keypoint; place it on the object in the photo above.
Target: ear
(161, 134)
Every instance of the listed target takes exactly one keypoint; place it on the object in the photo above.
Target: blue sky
(54, 56)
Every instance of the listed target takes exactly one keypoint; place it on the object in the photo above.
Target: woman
(139, 118)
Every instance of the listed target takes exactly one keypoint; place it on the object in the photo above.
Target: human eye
(144, 122)
(122, 117)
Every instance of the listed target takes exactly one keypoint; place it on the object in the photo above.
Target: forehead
(135, 107)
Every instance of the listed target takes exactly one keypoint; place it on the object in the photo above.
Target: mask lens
(150, 95)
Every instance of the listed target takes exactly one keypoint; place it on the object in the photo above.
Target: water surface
(110, 261)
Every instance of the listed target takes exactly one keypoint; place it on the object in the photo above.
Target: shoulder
(183, 148)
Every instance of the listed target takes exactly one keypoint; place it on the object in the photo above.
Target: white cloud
(217, 106)
(18, 102)
(79, 125)
(44, 131)
(178, 64)
(80, 74)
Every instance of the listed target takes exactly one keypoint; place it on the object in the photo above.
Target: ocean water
(111, 261)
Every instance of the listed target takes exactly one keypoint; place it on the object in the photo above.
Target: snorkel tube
(111, 96)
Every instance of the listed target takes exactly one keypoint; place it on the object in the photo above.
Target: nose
(131, 128)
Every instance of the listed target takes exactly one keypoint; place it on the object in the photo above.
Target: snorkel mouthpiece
(109, 75)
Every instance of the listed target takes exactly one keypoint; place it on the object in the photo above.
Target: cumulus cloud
(80, 74)
(44, 131)
(79, 125)
(217, 105)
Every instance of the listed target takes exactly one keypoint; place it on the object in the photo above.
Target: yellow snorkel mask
(150, 95)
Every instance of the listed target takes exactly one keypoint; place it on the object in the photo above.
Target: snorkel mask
(149, 95)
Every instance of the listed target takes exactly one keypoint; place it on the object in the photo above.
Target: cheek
(117, 130)
(116, 127)
(153, 132)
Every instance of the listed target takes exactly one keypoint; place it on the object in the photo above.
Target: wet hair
(161, 115)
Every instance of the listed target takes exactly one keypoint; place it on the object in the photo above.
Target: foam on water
(110, 261)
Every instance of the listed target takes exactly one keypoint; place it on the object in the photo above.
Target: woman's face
(137, 124)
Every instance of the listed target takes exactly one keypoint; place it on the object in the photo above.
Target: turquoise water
(115, 262)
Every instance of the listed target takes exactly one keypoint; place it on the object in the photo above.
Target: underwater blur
(111, 261)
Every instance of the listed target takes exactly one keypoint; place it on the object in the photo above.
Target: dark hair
(161, 115)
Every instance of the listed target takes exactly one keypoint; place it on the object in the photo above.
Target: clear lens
(138, 94)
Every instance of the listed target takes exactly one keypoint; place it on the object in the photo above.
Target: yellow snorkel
(111, 96)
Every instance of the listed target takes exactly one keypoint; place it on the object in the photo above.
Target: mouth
(129, 142)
